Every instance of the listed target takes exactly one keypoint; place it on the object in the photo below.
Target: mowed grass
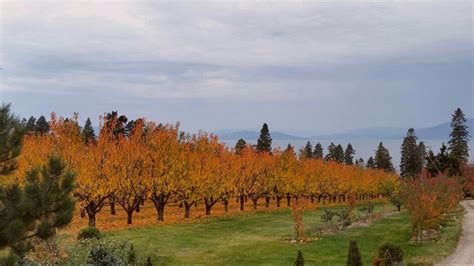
(263, 238)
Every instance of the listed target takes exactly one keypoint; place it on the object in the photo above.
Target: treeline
(131, 162)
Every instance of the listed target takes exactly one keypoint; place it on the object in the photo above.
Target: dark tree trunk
(159, 201)
(288, 200)
(209, 203)
(83, 213)
(241, 203)
(129, 217)
(91, 220)
(187, 209)
(226, 205)
(278, 199)
(399, 208)
(254, 201)
(137, 208)
(112, 208)
(312, 199)
(267, 201)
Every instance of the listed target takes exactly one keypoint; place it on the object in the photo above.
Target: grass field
(263, 238)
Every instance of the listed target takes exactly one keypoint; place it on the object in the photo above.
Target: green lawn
(262, 238)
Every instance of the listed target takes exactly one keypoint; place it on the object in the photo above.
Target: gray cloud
(302, 66)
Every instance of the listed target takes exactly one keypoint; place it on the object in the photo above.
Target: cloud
(305, 54)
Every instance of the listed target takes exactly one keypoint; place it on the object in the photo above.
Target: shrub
(299, 259)
(100, 255)
(88, 233)
(148, 262)
(353, 256)
(390, 253)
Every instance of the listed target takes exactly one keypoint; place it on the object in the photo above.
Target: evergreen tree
(370, 163)
(458, 144)
(383, 160)
(116, 123)
(88, 132)
(353, 257)
(41, 126)
(38, 207)
(339, 154)
(30, 124)
(411, 159)
(289, 148)
(331, 156)
(360, 162)
(264, 142)
(349, 155)
(318, 151)
(307, 151)
(11, 134)
(299, 259)
(240, 145)
(441, 162)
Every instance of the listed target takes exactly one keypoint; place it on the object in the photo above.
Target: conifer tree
(360, 162)
(410, 163)
(307, 151)
(349, 155)
(30, 124)
(264, 142)
(41, 126)
(458, 144)
(383, 160)
(38, 207)
(370, 163)
(318, 151)
(240, 145)
(339, 154)
(88, 133)
(299, 259)
(331, 152)
(353, 257)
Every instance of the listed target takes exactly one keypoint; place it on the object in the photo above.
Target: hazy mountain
(249, 135)
(440, 131)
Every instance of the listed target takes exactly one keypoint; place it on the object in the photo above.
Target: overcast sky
(303, 67)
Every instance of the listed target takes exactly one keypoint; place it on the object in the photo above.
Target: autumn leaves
(159, 163)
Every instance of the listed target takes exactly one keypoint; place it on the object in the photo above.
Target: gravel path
(464, 254)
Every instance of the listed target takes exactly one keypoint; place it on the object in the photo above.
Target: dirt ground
(464, 254)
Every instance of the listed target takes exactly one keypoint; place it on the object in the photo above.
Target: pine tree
(299, 259)
(353, 257)
(383, 160)
(458, 144)
(41, 126)
(339, 154)
(38, 207)
(349, 155)
(331, 156)
(264, 142)
(360, 162)
(307, 151)
(318, 151)
(240, 145)
(410, 163)
(88, 132)
(11, 134)
(116, 123)
(441, 162)
(370, 163)
(30, 124)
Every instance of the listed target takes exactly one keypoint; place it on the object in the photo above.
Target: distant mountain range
(440, 131)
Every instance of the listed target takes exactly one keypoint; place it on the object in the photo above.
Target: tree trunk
(161, 212)
(399, 207)
(129, 217)
(187, 209)
(278, 199)
(288, 200)
(267, 201)
(112, 208)
(91, 220)
(241, 203)
(226, 205)
(312, 199)
(137, 208)
(254, 201)
(83, 213)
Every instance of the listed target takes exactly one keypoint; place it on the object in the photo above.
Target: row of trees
(133, 161)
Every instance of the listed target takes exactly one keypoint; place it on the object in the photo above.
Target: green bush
(353, 256)
(299, 259)
(100, 255)
(88, 233)
(390, 252)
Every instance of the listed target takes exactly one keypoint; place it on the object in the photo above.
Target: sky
(304, 67)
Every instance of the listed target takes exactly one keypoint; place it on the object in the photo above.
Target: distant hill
(249, 135)
(440, 131)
